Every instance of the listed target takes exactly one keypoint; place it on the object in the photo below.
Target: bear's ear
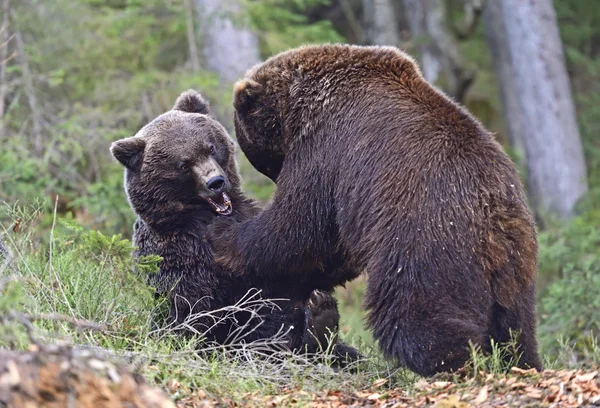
(192, 102)
(245, 93)
(129, 151)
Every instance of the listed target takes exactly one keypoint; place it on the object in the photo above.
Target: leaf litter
(551, 388)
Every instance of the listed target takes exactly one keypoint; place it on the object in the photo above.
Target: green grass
(84, 275)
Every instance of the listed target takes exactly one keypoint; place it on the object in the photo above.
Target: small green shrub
(570, 313)
(569, 304)
(82, 274)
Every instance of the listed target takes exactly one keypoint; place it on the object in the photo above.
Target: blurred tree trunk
(36, 115)
(418, 13)
(495, 30)
(191, 36)
(437, 46)
(229, 48)
(539, 109)
(355, 34)
(381, 22)
(4, 39)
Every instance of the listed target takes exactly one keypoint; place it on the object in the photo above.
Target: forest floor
(58, 377)
(519, 388)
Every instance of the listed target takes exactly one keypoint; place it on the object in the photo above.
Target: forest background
(77, 75)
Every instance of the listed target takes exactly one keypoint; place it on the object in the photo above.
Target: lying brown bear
(181, 175)
(378, 170)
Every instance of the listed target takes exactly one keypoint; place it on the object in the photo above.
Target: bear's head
(182, 162)
(292, 94)
(259, 127)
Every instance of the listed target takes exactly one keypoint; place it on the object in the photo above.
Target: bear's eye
(212, 151)
(182, 166)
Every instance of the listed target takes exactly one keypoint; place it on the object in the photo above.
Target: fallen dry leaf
(379, 382)
(173, 384)
(533, 392)
(482, 395)
(521, 371)
(453, 401)
(554, 388)
(586, 377)
(441, 384)
(557, 393)
(518, 385)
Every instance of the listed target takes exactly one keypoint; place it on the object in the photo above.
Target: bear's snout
(216, 184)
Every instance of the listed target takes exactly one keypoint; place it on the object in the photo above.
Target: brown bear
(180, 175)
(379, 171)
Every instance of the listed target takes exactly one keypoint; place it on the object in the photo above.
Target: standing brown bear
(378, 170)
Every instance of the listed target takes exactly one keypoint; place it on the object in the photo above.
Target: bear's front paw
(322, 319)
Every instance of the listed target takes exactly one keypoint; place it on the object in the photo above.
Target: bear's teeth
(224, 208)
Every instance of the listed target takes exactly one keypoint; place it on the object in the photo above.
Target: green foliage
(570, 311)
(570, 277)
(92, 64)
(11, 296)
(29, 182)
(570, 306)
(501, 359)
(283, 24)
(86, 275)
(579, 23)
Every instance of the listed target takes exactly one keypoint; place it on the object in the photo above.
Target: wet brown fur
(173, 219)
(377, 170)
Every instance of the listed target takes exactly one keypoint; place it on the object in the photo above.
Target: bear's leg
(428, 327)
(345, 354)
(520, 319)
(439, 345)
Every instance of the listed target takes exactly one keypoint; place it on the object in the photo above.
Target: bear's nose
(216, 184)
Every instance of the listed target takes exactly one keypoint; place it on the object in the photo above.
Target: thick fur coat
(376, 170)
(181, 175)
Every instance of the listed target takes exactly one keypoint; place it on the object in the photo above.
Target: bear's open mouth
(221, 204)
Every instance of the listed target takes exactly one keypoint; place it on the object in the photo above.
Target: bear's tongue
(221, 204)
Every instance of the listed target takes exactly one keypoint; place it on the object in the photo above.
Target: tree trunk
(36, 116)
(4, 39)
(539, 106)
(495, 31)
(437, 47)
(191, 36)
(229, 49)
(381, 24)
(429, 57)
